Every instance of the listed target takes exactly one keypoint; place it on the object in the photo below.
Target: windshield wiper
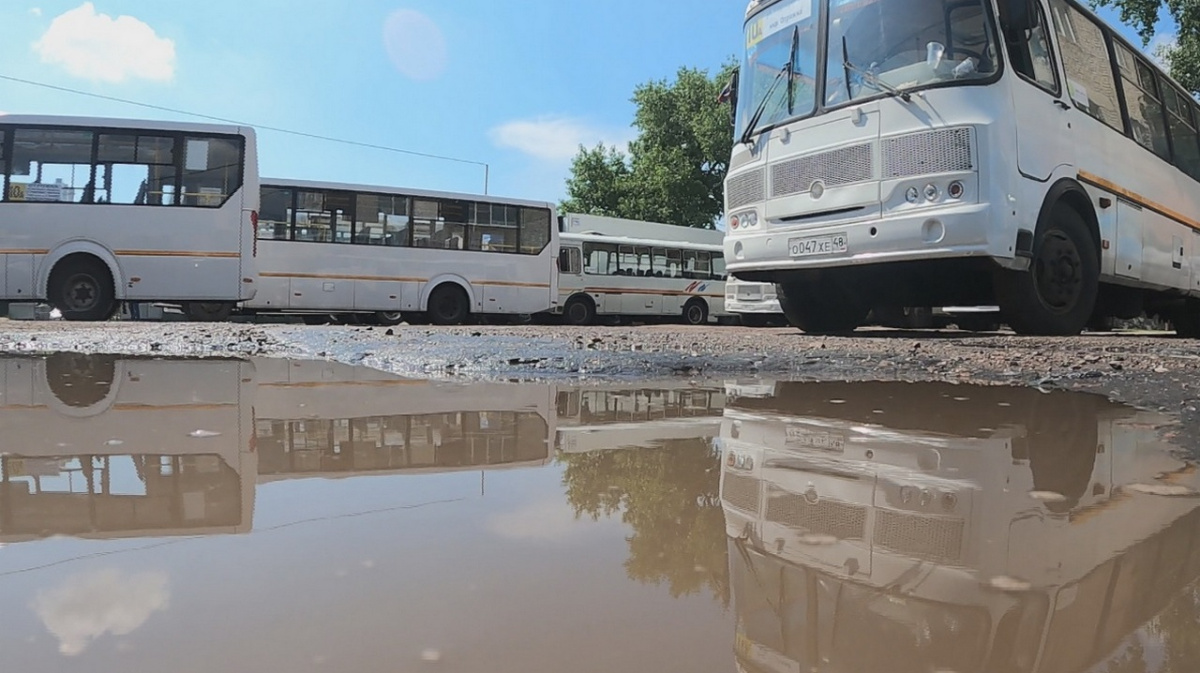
(870, 77)
(789, 70)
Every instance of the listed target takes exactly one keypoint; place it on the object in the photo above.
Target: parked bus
(755, 304)
(388, 254)
(1017, 153)
(105, 446)
(96, 211)
(598, 418)
(950, 527)
(623, 278)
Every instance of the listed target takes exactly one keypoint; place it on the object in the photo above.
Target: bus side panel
(332, 294)
(18, 277)
(379, 295)
(1164, 254)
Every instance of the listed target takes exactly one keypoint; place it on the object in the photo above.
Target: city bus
(387, 254)
(106, 447)
(931, 526)
(598, 418)
(1016, 153)
(624, 278)
(95, 212)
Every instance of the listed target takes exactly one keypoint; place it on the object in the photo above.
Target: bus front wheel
(208, 311)
(1057, 295)
(1186, 320)
(826, 309)
(448, 305)
(695, 312)
(82, 289)
(387, 318)
(579, 311)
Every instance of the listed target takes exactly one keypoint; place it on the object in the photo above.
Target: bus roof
(124, 123)
(401, 191)
(627, 240)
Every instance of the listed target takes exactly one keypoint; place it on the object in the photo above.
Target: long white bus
(99, 211)
(1017, 153)
(941, 527)
(623, 277)
(390, 254)
(598, 418)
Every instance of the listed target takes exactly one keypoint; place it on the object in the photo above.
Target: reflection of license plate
(817, 245)
(807, 439)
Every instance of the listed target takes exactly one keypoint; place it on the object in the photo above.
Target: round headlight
(931, 192)
(955, 190)
(912, 195)
(750, 219)
(733, 222)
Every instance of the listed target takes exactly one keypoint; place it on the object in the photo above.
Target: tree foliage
(1182, 57)
(674, 171)
(669, 497)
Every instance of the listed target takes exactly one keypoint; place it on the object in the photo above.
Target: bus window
(212, 171)
(675, 263)
(659, 262)
(312, 220)
(494, 227)
(628, 263)
(600, 259)
(394, 216)
(425, 217)
(452, 235)
(1085, 59)
(137, 170)
(535, 230)
(51, 165)
(1143, 103)
(643, 261)
(569, 261)
(718, 267)
(1183, 131)
(338, 204)
(275, 214)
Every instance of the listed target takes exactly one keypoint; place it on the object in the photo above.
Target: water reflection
(920, 527)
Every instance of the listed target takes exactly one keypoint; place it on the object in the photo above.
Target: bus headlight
(932, 192)
(743, 220)
(913, 195)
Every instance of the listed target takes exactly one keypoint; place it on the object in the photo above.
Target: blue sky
(516, 85)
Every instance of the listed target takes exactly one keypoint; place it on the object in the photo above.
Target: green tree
(674, 171)
(669, 497)
(1183, 57)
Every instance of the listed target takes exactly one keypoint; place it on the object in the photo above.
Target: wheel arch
(82, 248)
(1072, 194)
(454, 279)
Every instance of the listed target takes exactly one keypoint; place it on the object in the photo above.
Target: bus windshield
(873, 47)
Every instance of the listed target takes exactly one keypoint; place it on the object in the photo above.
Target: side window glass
(1085, 59)
(135, 170)
(1181, 120)
(576, 263)
(312, 219)
(275, 214)
(1146, 121)
(212, 171)
(718, 263)
(1032, 56)
(52, 165)
(425, 218)
(535, 230)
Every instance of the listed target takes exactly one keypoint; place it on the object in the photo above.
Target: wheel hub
(1059, 273)
(81, 293)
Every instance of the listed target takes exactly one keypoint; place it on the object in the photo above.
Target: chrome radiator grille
(940, 151)
(925, 537)
(843, 166)
(741, 492)
(744, 189)
(843, 521)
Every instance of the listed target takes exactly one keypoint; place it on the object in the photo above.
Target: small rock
(1160, 370)
(390, 332)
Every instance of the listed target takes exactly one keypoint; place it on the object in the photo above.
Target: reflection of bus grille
(845, 522)
(744, 189)
(843, 166)
(919, 535)
(741, 492)
(928, 152)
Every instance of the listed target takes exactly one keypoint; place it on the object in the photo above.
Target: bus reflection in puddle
(919, 527)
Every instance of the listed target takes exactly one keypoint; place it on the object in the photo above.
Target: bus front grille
(741, 492)
(927, 152)
(918, 535)
(843, 166)
(841, 520)
(744, 189)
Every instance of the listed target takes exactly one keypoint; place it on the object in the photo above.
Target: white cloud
(88, 605)
(1157, 44)
(36, 11)
(555, 138)
(100, 48)
(415, 45)
(539, 520)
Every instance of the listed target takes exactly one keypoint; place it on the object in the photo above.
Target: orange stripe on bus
(394, 279)
(23, 252)
(175, 253)
(1097, 181)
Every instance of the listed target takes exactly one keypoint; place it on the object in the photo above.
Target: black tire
(1057, 296)
(695, 312)
(208, 311)
(315, 319)
(828, 310)
(387, 318)
(79, 380)
(579, 311)
(448, 305)
(1186, 320)
(82, 289)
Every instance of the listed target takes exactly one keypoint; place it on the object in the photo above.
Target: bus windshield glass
(890, 46)
(781, 41)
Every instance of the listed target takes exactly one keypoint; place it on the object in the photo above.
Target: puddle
(195, 515)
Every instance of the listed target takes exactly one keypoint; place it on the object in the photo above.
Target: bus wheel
(208, 311)
(695, 312)
(579, 311)
(1058, 293)
(976, 322)
(314, 319)
(448, 305)
(1186, 320)
(82, 289)
(754, 320)
(387, 318)
(828, 310)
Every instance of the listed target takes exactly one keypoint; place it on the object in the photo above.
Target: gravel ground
(1151, 370)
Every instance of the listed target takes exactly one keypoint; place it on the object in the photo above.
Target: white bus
(909, 513)
(622, 278)
(755, 304)
(392, 254)
(105, 446)
(1016, 153)
(599, 418)
(100, 211)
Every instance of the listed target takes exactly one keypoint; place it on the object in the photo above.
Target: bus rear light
(956, 189)
(734, 222)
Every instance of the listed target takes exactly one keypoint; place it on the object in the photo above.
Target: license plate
(829, 244)
(807, 439)
(749, 294)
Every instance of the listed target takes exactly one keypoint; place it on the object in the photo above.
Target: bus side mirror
(1017, 17)
(729, 95)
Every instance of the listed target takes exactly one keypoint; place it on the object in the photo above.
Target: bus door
(1041, 102)
(323, 217)
(642, 295)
